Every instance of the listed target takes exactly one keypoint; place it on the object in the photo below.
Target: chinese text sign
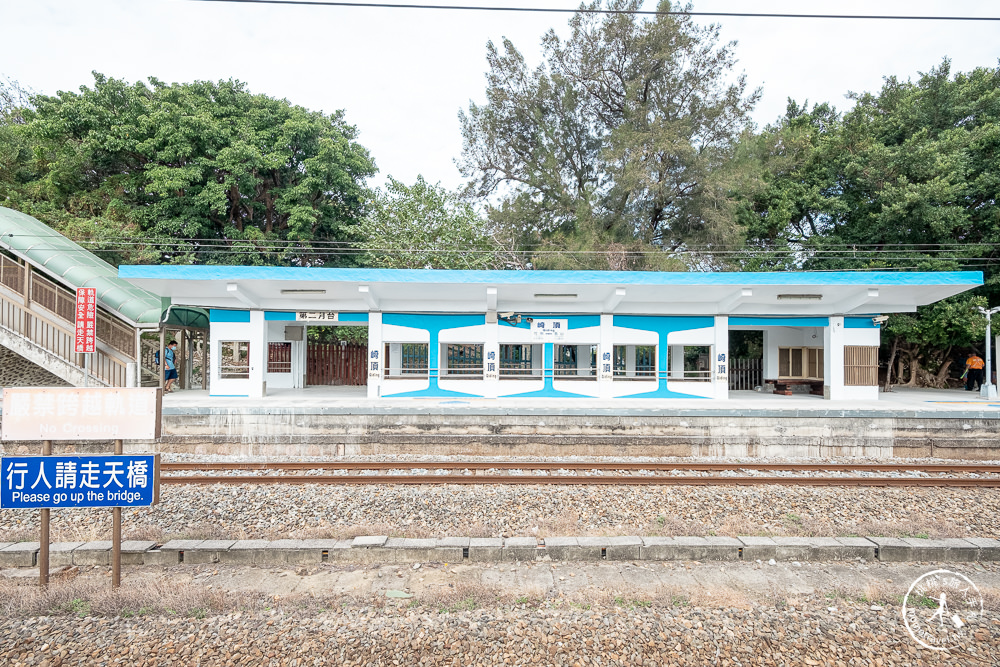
(29, 482)
(72, 413)
(86, 320)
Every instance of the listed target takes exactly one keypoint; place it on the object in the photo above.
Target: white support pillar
(720, 360)
(606, 357)
(375, 361)
(676, 362)
(394, 364)
(258, 355)
(300, 351)
(582, 360)
(833, 360)
(491, 360)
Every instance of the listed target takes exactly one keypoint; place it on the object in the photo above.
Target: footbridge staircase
(40, 270)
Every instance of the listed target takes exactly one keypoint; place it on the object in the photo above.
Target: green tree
(197, 172)
(618, 144)
(923, 343)
(906, 180)
(916, 170)
(424, 226)
(790, 192)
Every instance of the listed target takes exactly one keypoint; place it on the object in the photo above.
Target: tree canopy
(905, 180)
(196, 172)
(618, 142)
(424, 226)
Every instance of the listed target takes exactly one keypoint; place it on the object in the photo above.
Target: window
(279, 357)
(464, 360)
(645, 360)
(800, 362)
(234, 359)
(860, 366)
(689, 363)
(815, 356)
(634, 361)
(567, 360)
(516, 360)
(406, 359)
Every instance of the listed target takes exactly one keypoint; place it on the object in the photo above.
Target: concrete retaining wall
(279, 434)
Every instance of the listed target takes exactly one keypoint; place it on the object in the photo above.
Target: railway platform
(339, 421)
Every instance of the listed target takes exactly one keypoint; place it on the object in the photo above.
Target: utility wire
(639, 12)
(823, 248)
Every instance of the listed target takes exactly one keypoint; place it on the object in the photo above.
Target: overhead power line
(559, 10)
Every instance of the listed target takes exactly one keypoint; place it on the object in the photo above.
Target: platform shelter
(548, 334)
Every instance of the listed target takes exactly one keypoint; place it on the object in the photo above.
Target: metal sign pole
(116, 537)
(43, 538)
(986, 388)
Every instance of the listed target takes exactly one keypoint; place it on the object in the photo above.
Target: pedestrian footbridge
(40, 270)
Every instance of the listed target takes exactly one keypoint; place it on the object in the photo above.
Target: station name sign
(549, 330)
(29, 482)
(80, 414)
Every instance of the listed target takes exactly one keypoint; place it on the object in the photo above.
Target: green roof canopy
(75, 266)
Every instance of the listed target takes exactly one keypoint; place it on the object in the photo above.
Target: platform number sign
(85, 335)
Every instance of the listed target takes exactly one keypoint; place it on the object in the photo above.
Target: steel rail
(576, 465)
(582, 480)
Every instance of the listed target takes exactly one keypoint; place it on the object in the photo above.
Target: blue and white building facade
(549, 334)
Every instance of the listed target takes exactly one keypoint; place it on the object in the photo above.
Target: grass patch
(92, 596)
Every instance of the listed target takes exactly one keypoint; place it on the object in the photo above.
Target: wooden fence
(746, 374)
(334, 364)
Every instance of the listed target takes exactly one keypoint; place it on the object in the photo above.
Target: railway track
(584, 473)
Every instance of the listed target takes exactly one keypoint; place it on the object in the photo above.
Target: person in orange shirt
(974, 372)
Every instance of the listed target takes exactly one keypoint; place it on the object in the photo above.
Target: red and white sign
(86, 320)
(102, 413)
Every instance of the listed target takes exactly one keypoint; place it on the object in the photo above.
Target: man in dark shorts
(974, 372)
(170, 366)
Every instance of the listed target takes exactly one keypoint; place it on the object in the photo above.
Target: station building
(548, 334)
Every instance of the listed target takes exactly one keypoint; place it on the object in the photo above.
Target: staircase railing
(42, 312)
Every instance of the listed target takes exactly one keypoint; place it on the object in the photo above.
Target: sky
(402, 75)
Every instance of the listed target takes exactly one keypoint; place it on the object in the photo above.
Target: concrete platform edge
(380, 549)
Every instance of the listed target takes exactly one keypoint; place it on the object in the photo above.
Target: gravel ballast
(487, 637)
(303, 511)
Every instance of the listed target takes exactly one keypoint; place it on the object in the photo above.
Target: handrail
(59, 342)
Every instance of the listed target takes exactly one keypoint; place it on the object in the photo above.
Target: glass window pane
(234, 359)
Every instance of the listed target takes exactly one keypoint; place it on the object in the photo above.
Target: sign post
(43, 532)
(45, 482)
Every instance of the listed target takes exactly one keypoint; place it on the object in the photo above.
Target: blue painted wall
(217, 315)
(662, 326)
(434, 325)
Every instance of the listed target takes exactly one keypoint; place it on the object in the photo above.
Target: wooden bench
(782, 386)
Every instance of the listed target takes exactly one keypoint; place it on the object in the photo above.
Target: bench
(782, 386)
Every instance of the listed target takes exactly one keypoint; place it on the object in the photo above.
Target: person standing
(170, 366)
(974, 372)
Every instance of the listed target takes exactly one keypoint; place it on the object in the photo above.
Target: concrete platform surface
(900, 402)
